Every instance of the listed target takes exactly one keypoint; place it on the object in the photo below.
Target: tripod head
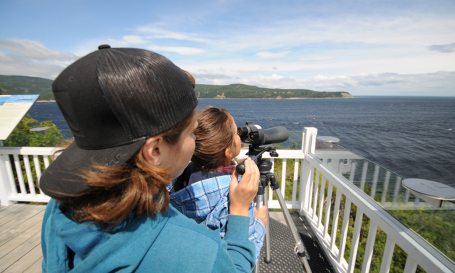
(264, 166)
(255, 152)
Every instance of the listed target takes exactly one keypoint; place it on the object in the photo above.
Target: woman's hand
(242, 193)
(261, 214)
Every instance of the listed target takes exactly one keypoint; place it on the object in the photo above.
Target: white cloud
(316, 58)
(270, 55)
(157, 33)
(179, 50)
(349, 62)
(342, 30)
(133, 39)
(32, 49)
(448, 48)
(428, 84)
(362, 52)
(31, 58)
(15, 64)
(126, 41)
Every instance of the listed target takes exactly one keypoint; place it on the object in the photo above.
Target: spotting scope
(260, 141)
(255, 135)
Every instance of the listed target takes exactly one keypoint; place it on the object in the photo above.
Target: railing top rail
(29, 150)
(407, 239)
(292, 154)
(51, 150)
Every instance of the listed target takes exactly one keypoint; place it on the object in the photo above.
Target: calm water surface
(412, 136)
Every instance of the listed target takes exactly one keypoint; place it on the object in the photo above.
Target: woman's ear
(153, 150)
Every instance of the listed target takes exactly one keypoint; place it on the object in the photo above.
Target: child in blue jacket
(202, 191)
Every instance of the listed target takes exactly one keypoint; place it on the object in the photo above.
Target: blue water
(412, 136)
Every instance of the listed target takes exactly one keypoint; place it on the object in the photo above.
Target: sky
(366, 48)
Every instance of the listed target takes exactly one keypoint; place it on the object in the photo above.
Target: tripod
(267, 177)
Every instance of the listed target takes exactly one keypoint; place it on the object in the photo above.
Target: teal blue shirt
(167, 242)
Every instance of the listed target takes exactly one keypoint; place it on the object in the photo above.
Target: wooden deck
(20, 242)
(20, 238)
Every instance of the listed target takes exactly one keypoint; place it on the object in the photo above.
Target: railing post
(306, 173)
(5, 189)
(352, 172)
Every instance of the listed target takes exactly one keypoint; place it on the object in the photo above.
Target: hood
(88, 248)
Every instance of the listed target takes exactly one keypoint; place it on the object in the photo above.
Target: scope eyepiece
(242, 132)
(251, 134)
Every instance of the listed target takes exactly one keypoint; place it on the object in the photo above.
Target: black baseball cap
(113, 99)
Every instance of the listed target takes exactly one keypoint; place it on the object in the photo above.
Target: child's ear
(153, 150)
(228, 154)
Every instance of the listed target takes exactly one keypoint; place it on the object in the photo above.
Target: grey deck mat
(282, 250)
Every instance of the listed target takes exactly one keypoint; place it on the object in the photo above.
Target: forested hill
(21, 85)
(244, 91)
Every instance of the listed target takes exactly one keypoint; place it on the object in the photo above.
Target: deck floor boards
(10, 210)
(20, 238)
(20, 241)
(28, 261)
(20, 215)
(7, 234)
(35, 267)
(18, 254)
(19, 220)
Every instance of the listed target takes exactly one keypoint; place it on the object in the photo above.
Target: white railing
(14, 162)
(311, 199)
(314, 202)
(284, 155)
(382, 185)
(314, 178)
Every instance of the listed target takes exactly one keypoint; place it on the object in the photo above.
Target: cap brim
(63, 177)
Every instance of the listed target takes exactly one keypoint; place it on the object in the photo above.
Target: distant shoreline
(244, 99)
(271, 98)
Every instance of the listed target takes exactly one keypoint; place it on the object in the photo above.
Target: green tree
(1, 90)
(22, 136)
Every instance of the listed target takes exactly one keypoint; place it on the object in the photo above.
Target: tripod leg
(259, 199)
(267, 258)
(300, 248)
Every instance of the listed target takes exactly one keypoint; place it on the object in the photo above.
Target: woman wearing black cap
(132, 114)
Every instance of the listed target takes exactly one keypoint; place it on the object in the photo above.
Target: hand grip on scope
(240, 169)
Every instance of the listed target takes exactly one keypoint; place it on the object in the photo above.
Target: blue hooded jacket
(167, 242)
